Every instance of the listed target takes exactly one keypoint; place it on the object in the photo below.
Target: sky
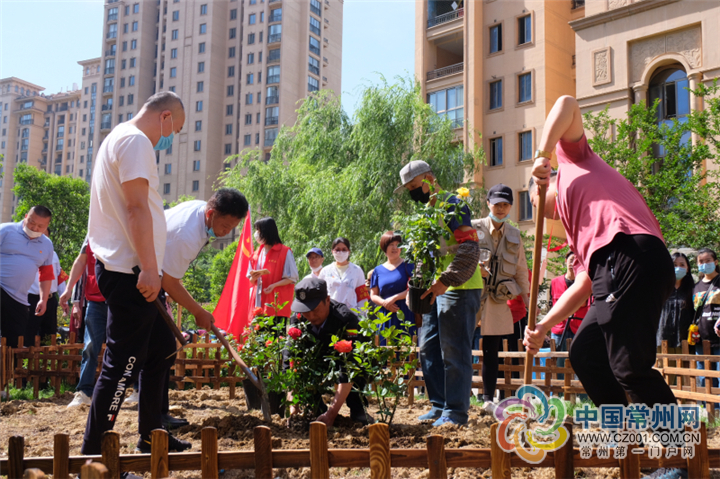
(42, 41)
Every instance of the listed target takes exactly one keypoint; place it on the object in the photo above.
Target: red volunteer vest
(274, 262)
(558, 286)
(92, 291)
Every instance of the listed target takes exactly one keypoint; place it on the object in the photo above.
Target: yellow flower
(463, 193)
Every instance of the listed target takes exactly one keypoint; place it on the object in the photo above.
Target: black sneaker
(170, 422)
(144, 445)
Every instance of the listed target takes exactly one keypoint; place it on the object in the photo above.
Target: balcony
(110, 53)
(324, 79)
(108, 89)
(313, 69)
(106, 108)
(315, 30)
(315, 50)
(315, 10)
(274, 38)
(273, 79)
(275, 17)
(111, 35)
(271, 120)
(272, 100)
(112, 17)
(272, 59)
(312, 88)
(269, 141)
(443, 72)
(105, 126)
(325, 60)
(110, 71)
(446, 17)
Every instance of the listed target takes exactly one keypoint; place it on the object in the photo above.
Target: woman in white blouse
(345, 280)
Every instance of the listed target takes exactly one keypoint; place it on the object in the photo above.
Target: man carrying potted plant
(445, 336)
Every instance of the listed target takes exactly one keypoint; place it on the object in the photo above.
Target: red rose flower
(343, 346)
(257, 327)
(294, 333)
(258, 312)
(268, 343)
(292, 364)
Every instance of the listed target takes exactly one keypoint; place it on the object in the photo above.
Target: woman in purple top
(389, 284)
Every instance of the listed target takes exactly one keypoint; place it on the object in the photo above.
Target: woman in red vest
(561, 332)
(273, 272)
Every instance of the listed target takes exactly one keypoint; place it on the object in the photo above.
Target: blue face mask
(706, 268)
(165, 141)
(498, 220)
(209, 231)
(680, 273)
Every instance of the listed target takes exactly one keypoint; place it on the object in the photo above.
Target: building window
(168, 168)
(196, 185)
(251, 58)
(249, 79)
(524, 29)
(166, 189)
(275, 15)
(122, 83)
(496, 38)
(228, 129)
(134, 26)
(196, 165)
(124, 46)
(233, 14)
(314, 46)
(274, 33)
(173, 72)
(496, 95)
(525, 144)
(251, 19)
(121, 100)
(168, 151)
(248, 98)
(314, 26)
(496, 152)
(131, 98)
(270, 135)
(131, 80)
(133, 45)
(271, 115)
(314, 65)
(201, 47)
(136, 8)
(670, 87)
(526, 207)
(251, 38)
(133, 62)
(449, 103)
(315, 7)
(262, 17)
(248, 119)
(230, 90)
(231, 52)
(524, 87)
(257, 138)
(198, 125)
(203, 9)
(197, 145)
(228, 110)
(233, 33)
(273, 74)
(198, 106)
(228, 148)
(203, 28)
(200, 87)
(175, 34)
(313, 84)
(247, 140)
(201, 67)
(231, 71)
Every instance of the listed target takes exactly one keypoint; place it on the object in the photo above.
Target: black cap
(500, 193)
(309, 293)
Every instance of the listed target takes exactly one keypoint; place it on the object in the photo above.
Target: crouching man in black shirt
(326, 318)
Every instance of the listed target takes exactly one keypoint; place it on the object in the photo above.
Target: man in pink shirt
(621, 259)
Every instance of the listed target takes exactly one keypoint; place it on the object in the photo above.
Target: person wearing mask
(46, 325)
(389, 285)
(315, 258)
(273, 272)
(345, 280)
(706, 300)
(505, 276)
(445, 337)
(24, 252)
(620, 258)
(127, 229)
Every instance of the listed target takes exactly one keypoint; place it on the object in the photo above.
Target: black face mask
(418, 195)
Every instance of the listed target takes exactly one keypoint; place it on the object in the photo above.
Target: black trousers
(41, 325)
(138, 345)
(614, 349)
(13, 318)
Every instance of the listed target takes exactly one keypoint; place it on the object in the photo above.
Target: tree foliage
(330, 175)
(220, 269)
(683, 194)
(68, 199)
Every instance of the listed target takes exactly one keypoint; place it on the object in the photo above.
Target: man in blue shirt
(24, 251)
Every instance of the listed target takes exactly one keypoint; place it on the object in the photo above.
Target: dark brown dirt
(39, 421)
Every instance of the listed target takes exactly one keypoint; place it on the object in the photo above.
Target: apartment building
(39, 130)
(239, 67)
(495, 68)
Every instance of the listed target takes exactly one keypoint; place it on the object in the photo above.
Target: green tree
(220, 269)
(330, 175)
(197, 279)
(665, 167)
(68, 199)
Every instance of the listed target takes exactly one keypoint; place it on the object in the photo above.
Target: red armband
(46, 273)
(463, 236)
(362, 293)
(62, 277)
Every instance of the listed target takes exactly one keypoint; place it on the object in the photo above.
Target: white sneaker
(133, 398)
(80, 399)
(489, 407)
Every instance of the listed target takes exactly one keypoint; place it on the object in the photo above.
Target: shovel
(256, 380)
(535, 280)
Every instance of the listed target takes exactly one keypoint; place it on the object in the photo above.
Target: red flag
(231, 312)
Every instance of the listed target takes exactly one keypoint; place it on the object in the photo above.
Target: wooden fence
(199, 363)
(379, 457)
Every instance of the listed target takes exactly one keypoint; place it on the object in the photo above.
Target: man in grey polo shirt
(24, 251)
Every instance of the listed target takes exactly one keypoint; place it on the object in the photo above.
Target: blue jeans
(446, 352)
(95, 324)
(714, 350)
(561, 346)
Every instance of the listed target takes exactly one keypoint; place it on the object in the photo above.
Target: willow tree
(330, 175)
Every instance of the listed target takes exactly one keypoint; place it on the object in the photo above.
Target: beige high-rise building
(39, 130)
(239, 66)
(495, 68)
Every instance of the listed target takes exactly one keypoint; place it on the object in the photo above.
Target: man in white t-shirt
(127, 229)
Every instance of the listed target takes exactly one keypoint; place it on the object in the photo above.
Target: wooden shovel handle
(535, 281)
